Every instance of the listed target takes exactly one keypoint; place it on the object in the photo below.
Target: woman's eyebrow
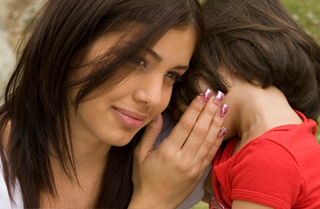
(153, 53)
(181, 67)
(159, 59)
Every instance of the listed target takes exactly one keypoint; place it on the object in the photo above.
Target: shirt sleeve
(168, 124)
(266, 173)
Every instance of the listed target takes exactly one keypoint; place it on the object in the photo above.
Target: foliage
(306, 13)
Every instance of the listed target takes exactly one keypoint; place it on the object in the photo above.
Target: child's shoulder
(295, 143)
(281, 162)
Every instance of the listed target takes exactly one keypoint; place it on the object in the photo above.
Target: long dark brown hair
(260, 41)
(36, 97)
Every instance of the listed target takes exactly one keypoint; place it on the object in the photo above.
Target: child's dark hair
(260, 41)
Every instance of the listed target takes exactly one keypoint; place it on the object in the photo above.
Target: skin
(253, 111)
(188, 151)
(144, 93)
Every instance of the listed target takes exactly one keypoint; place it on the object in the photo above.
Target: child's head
(261, 42)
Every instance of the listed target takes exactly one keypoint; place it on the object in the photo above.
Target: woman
(269, 67)
(90, 75)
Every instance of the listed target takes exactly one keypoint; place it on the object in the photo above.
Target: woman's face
(115, 116)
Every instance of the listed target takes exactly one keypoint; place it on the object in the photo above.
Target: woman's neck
(80, 188)
(90, 157)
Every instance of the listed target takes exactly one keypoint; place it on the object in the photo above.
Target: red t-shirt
(280, 169)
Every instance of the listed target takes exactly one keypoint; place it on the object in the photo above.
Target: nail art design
(222, 132)
(218, 98)
(223, 110)
(206, 95)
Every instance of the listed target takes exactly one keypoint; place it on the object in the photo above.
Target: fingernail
(222, 132)
(223, 110)
(218, 98)
(206, 95)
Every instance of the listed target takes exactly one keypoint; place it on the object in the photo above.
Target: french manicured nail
(222, 132)
(218, 98)
(206, 95)
(223, 110)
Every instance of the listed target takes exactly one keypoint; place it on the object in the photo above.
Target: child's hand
(164, 178)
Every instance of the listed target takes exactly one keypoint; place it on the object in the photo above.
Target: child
(269, 68)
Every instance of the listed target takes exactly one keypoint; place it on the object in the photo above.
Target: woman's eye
(140, 62)
(173, 76)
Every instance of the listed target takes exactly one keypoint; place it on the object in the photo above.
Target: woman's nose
(150, 91)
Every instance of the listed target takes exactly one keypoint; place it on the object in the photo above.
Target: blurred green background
(307, 14)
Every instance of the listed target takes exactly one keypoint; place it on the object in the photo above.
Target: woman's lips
(129, 118)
